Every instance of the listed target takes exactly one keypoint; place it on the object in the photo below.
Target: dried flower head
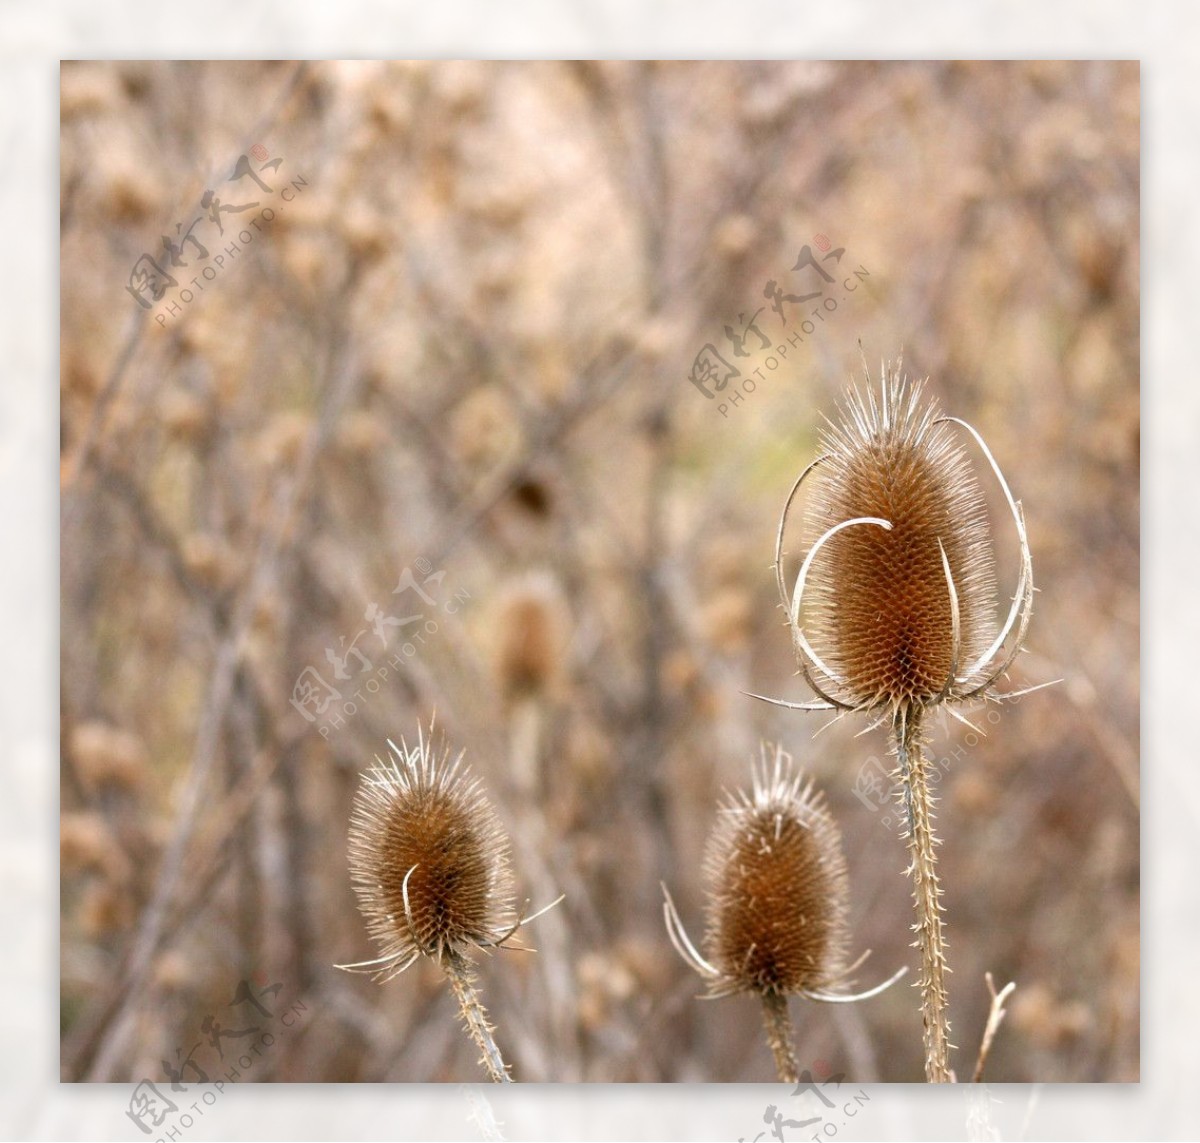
(777, 903)
(109, 758)
(429, 860)
(531, 628)
(777, 888)
(777, 893)
(894, 602)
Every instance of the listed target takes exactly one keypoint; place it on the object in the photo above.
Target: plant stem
(779, 1035)
(996, 1015)
(462, 980)
(926, 893)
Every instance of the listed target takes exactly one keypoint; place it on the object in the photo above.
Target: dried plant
(531, 627)
(901, 603)
(430, 865)
(491, 391)
(528, 662)
(777, 903)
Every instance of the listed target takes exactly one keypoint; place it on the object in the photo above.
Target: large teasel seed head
(879, 607)
(429, 859)
(896, 592)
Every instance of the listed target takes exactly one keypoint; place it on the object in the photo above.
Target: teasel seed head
(430, 864)
(429, 860)
(894, 603)
(777, 887)
(777, 892)
(531, 637)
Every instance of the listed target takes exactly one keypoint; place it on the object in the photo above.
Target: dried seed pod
(896, 597)
(777, 893)
(879, 599)
(777, 888)
(109, 758)
(531, 637)
(428, 858)
(777, 903)
(430, 864)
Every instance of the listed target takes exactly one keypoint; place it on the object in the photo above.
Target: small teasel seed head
(429, 859)
(879, 608)
(776, 874)
(531, 637)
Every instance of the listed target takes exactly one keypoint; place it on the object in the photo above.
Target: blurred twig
(996, 1014)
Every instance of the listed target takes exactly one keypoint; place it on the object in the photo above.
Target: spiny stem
(779, 1035)
(926, 891)
(462, 980)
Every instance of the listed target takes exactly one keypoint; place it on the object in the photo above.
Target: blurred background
(382, 395)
